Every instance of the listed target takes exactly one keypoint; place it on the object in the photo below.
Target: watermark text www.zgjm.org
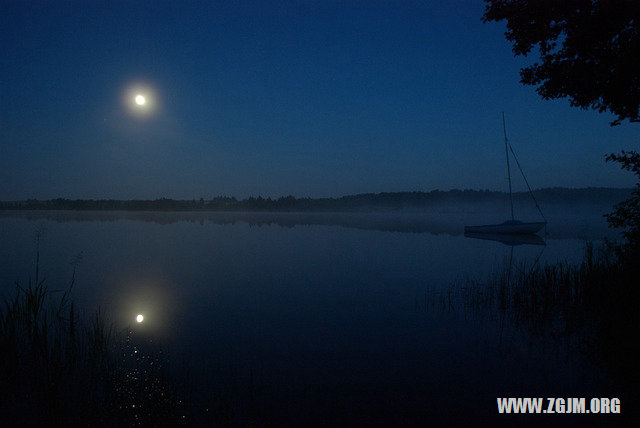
(557, 405)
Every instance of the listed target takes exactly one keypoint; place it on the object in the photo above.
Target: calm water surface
(324, 318)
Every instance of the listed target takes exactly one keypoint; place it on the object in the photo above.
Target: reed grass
(60, 369)
(593, 305)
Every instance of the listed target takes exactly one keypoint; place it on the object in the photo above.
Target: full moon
(140, 100)
(140, 318)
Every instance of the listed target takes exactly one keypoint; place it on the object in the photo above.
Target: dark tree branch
(588, 50)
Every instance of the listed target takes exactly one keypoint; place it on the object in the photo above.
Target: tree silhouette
(627, 213)
(588, 50)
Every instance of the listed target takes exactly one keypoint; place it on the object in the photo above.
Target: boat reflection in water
(512, 227)
(512, 240)
(508, 239)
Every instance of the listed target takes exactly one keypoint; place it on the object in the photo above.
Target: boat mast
(506, 151)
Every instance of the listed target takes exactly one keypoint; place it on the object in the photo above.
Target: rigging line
(506, 152)
(526, 182)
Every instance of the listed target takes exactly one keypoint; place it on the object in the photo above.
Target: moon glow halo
(140, 100)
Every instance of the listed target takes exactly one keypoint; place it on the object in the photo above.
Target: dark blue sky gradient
(310, 98)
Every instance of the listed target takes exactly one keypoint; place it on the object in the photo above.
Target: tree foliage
(589, 50)
(627, 213)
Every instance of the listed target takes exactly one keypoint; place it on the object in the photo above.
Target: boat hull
(508, 239)
(507, 228)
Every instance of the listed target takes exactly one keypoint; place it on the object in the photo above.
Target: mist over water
(313, 316)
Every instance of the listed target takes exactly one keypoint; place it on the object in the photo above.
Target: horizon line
(283, 196)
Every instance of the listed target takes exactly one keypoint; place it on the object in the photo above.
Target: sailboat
(513, 226)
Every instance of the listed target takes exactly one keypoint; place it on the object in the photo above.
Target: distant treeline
(360, 202)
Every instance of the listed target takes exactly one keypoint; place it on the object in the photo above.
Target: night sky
(310, 98)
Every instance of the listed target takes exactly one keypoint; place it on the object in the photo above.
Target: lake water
(313, 318)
